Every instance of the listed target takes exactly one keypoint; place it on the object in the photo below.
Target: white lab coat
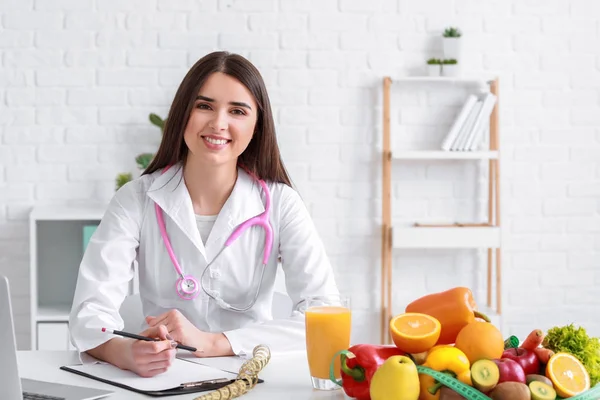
(129, 231)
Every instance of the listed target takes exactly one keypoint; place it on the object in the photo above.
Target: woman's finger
(171, 331)
(158, 332)
(159, 364)
(153, 348)
(160, 320)
(163, 332)
(149, 358)
(154, 372)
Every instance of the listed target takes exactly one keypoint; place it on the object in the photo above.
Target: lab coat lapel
(245, 202)
(170, 193)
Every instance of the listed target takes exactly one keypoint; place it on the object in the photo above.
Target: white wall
(78, 79)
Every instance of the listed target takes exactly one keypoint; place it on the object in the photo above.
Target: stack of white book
(472, 122)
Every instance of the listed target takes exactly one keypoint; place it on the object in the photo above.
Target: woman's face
(221, 122)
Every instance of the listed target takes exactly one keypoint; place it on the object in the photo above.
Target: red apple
(510, 371)
(526, 358)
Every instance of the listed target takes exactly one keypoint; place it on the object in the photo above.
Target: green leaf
(156, 120)
(143, 160)
(452, 32)
(122, 179)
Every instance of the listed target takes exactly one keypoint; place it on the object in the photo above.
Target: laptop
(11, 385)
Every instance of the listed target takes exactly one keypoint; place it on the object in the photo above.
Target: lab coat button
(215, 274)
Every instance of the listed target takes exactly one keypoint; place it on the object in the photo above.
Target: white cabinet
(53, 336)
(56, 247)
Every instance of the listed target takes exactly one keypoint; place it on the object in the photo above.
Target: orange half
(415, 332)
(568, 375)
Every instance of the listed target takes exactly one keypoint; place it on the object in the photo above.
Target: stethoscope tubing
(187, 294)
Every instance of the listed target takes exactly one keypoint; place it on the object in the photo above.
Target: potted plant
(451, 40)
(142, 160)
(122, 179)
(434, 67)
(449, 67)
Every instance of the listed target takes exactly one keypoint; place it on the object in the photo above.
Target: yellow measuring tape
(246, 379)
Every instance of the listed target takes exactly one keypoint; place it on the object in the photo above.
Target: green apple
(397, 378)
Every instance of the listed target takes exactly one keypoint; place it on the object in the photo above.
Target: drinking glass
(328, 326)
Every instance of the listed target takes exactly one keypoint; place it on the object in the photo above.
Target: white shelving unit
(442, 236)
(56, 249)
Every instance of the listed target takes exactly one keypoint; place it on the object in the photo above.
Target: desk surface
(286, 376)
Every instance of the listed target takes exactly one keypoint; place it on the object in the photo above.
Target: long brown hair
(262, 157)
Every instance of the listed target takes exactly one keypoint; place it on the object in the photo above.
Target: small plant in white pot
(434, 67)
(451, 40)
(450, 67)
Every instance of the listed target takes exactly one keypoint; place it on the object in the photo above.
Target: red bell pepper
(358, 364)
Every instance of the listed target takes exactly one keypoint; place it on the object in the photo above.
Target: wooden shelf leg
(489, 277)
(384, 308)
(495, 178)
(389, 286)
(386, 243)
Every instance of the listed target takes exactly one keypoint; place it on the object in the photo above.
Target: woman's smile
(213, 142)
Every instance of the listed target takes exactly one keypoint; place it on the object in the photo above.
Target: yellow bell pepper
(439, 346)
(453, 360)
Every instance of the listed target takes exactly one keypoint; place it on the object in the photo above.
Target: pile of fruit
(443, 332)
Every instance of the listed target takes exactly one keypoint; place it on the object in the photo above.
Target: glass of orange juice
(328, 327)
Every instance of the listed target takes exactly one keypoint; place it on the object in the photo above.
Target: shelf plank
(441, 79)
(53, 313)
(67, 213)
(444, 155)
(445, 237)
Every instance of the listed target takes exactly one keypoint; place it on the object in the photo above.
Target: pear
(396, 379)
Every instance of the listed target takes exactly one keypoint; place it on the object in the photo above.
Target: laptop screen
(9, 373)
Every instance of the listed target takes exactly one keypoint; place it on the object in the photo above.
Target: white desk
(286, 376)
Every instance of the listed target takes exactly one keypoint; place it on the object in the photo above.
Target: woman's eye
(203, 106)
(239, 112)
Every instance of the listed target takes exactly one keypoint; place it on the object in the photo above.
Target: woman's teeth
(215, 141)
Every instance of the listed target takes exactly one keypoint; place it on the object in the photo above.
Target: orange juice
(327, 332)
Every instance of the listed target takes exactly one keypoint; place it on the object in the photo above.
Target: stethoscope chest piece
(188, 288)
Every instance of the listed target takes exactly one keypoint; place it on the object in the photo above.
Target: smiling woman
(222, 93)
(208, 222)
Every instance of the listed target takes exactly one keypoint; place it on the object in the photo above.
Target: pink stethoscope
(187, 286)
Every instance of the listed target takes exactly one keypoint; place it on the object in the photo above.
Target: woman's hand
(184, 332)
(148, 359)
(144, 358)
(178, 327)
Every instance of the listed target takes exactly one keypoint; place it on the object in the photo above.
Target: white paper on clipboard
(179, 372)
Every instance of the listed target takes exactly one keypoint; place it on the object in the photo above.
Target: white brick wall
(79, 78)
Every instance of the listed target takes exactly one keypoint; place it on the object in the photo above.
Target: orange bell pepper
(454, 308)
(426, 382)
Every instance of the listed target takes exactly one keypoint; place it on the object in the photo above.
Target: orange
(480, 340)
(568, 375)
(415, 332)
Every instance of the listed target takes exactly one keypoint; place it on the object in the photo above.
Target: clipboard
(167, 389)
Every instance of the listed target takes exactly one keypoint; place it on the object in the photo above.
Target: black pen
(146, 338)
